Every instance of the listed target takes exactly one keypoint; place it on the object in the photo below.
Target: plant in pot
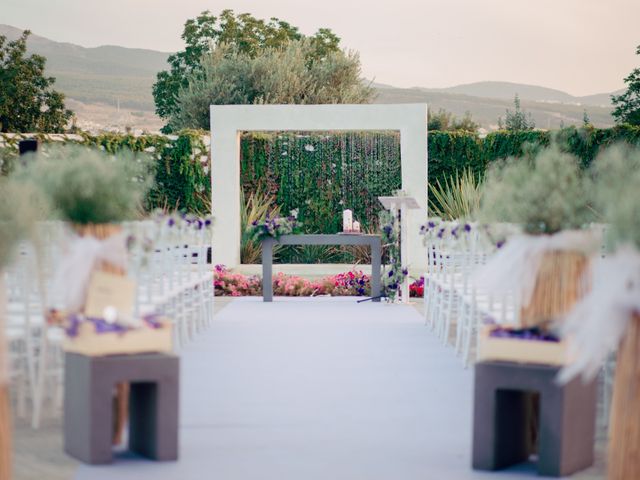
(608, 317)
(93, 192)
(546, 195)
(20, 208)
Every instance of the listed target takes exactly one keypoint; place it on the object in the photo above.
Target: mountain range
(110, 86)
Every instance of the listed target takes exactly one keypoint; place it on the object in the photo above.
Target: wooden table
(372, 241)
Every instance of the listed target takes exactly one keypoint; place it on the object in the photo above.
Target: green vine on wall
(182, 165)
(324, 173)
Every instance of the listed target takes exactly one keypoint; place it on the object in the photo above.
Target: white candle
(347, 221)
(356, 227)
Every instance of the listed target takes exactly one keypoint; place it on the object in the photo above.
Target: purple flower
(431, 224)
(467, 227)
(171, 222)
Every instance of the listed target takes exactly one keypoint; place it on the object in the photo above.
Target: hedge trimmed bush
(181, 168)
(321, 174)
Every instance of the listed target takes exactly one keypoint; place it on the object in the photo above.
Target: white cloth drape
(74, 268)
(598, 322)
(514, 268)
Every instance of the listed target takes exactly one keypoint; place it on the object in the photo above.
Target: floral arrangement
(293, 286)
(416, 289)
(274, 227)
(227, 283)
(346, 284)
(183, 220)
(353, 283)
(394, 273)
(443, 230)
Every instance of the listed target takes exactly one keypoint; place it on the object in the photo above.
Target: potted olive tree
(93, 191)
(608, 318)
(546, 195)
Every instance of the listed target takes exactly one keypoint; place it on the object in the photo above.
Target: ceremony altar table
(372, 241)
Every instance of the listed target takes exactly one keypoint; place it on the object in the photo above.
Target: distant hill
(107, 74)
(486, 111)
(507, 90)
(112, 85)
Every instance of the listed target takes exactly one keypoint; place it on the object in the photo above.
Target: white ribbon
(74, 269)
(514, 268)
(598, 322)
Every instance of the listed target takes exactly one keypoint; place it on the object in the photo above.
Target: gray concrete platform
(319, 389)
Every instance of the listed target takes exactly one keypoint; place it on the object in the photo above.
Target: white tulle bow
(75, 266)
(514, 268)
(598, 322)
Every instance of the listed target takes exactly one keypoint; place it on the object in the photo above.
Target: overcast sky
(580, 46)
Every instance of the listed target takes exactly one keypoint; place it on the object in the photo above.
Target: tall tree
(277, 75)
(444, 120)
(27, 101)
(518, 119)
(246, 35)
(627, 105)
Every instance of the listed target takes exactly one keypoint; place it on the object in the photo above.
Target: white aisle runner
(317, 389)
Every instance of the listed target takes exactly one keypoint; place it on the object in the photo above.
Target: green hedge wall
(181, 163)
(322, 173)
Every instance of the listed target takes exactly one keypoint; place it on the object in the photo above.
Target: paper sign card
(107, 290)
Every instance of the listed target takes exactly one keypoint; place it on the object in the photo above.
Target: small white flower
(309, 148)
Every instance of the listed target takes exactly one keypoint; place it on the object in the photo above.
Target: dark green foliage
(442, 120)
(322, 174)
(518, 119)
(27, 101)
(181, 165)
(627, 105)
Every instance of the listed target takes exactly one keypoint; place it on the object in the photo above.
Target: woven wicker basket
(624, 442)
(559, 285)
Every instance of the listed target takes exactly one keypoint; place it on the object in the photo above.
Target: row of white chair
(173, 279)
(453, 301)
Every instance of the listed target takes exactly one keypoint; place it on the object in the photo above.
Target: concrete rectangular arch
(229, 121)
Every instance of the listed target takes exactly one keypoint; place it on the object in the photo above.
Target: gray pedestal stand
(153, 405)
(500, 424)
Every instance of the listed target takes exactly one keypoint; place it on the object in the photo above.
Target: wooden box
(521, 350)
(140, 340)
